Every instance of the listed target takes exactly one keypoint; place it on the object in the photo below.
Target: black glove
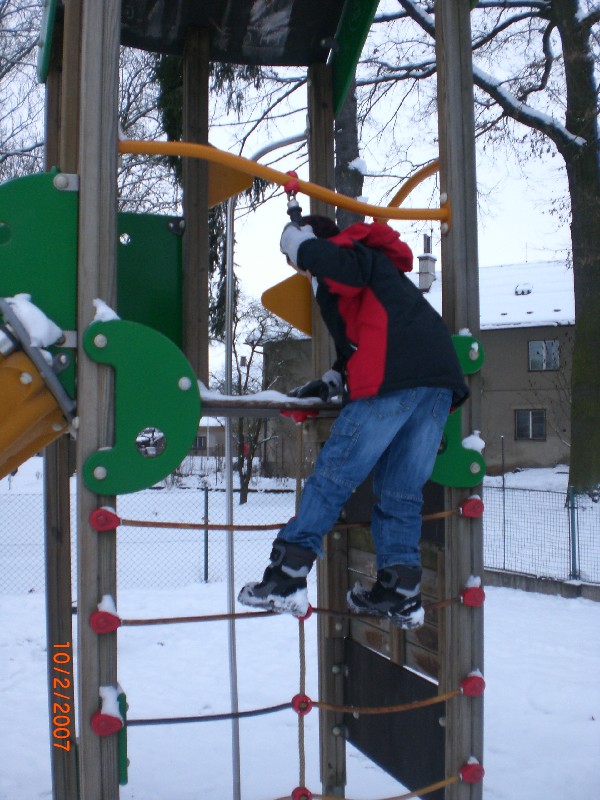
(325, 388)
(316, 388)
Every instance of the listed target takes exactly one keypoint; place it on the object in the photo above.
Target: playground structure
(68, 215)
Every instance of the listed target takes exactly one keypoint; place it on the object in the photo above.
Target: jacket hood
(381, 237)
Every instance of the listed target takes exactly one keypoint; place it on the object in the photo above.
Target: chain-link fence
(537, 533)
(541, 533)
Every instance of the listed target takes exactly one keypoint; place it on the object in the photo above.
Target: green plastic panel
(350, 39)
(155, 387)
(38, 245)
(45, 40)
(456, 466)
(149, 273)
(38, 250)
(38, 256)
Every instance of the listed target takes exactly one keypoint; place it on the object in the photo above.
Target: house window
(530, 424)
(200, 443)
(544, 354)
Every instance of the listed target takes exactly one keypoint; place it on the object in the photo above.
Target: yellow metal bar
(249, 167)
(415, 180)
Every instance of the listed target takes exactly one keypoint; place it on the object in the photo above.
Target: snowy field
(542, 724)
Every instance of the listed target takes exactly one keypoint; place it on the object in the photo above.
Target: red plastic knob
(471, 772)
(472, 507)
(292, 186)
(299, 416)
(105, 724)
(103, 519)
(104, 622)
(473, 596)
(302, 704)
(472, 686)
(301, 793)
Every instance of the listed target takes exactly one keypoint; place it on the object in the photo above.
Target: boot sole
(411, 621)
(295, 603)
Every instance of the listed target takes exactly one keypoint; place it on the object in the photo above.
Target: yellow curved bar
(415, 180)
(249, 167)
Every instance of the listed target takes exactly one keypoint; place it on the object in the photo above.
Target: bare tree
(21, 99)
(253, 327)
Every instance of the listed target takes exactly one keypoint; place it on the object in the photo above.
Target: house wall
(508, 385)
(286, 364)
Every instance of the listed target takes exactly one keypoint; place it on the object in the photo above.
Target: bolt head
(184, 383)
(100, 473)
(60, 181)
(26, 378)
(100, 340)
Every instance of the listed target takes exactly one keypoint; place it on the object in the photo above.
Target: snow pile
(104, 313)
(474, 442)
(359, 164)
(41, 330)
(109, 696)
(268, 397)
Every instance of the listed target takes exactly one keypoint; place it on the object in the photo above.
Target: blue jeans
(397, 435)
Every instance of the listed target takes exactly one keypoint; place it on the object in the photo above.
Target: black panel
(278, 32)
(408, 745)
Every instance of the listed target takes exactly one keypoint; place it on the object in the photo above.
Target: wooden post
(195, 203)
(98, 757)
(57, 520)
(462, 626)
(71, 87)
(331, 571)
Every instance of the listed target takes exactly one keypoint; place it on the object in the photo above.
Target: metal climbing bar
(249, 167)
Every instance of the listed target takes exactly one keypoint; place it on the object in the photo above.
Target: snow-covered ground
(542, 723)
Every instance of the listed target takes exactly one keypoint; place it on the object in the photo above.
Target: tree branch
(566, 143)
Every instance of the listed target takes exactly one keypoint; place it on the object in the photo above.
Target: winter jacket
(387, 336)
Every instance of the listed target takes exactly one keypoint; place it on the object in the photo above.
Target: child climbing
(398, 376)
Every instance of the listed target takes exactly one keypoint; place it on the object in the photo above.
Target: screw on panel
(100, 340)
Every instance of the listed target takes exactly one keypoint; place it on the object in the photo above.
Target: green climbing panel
(38, 256)
(455, 465)
(155, 389)
(149, 272)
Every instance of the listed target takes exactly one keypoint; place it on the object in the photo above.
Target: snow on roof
(519, 295)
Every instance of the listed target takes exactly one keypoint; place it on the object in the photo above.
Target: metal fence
(536, 533)
(540, 533)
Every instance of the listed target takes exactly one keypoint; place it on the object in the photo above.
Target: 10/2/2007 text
(62, 694)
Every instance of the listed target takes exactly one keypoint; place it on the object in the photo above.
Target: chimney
(426, 266)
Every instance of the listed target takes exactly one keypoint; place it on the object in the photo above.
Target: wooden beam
(331, 571)
(195, 203)
(461, 627)
(321, 171)
(71, 85)
(101, 19)
(57, 517)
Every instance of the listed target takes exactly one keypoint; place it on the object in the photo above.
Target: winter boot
(396, 594)
(283, 587)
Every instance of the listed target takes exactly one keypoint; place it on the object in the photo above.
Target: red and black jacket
(387, 336)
